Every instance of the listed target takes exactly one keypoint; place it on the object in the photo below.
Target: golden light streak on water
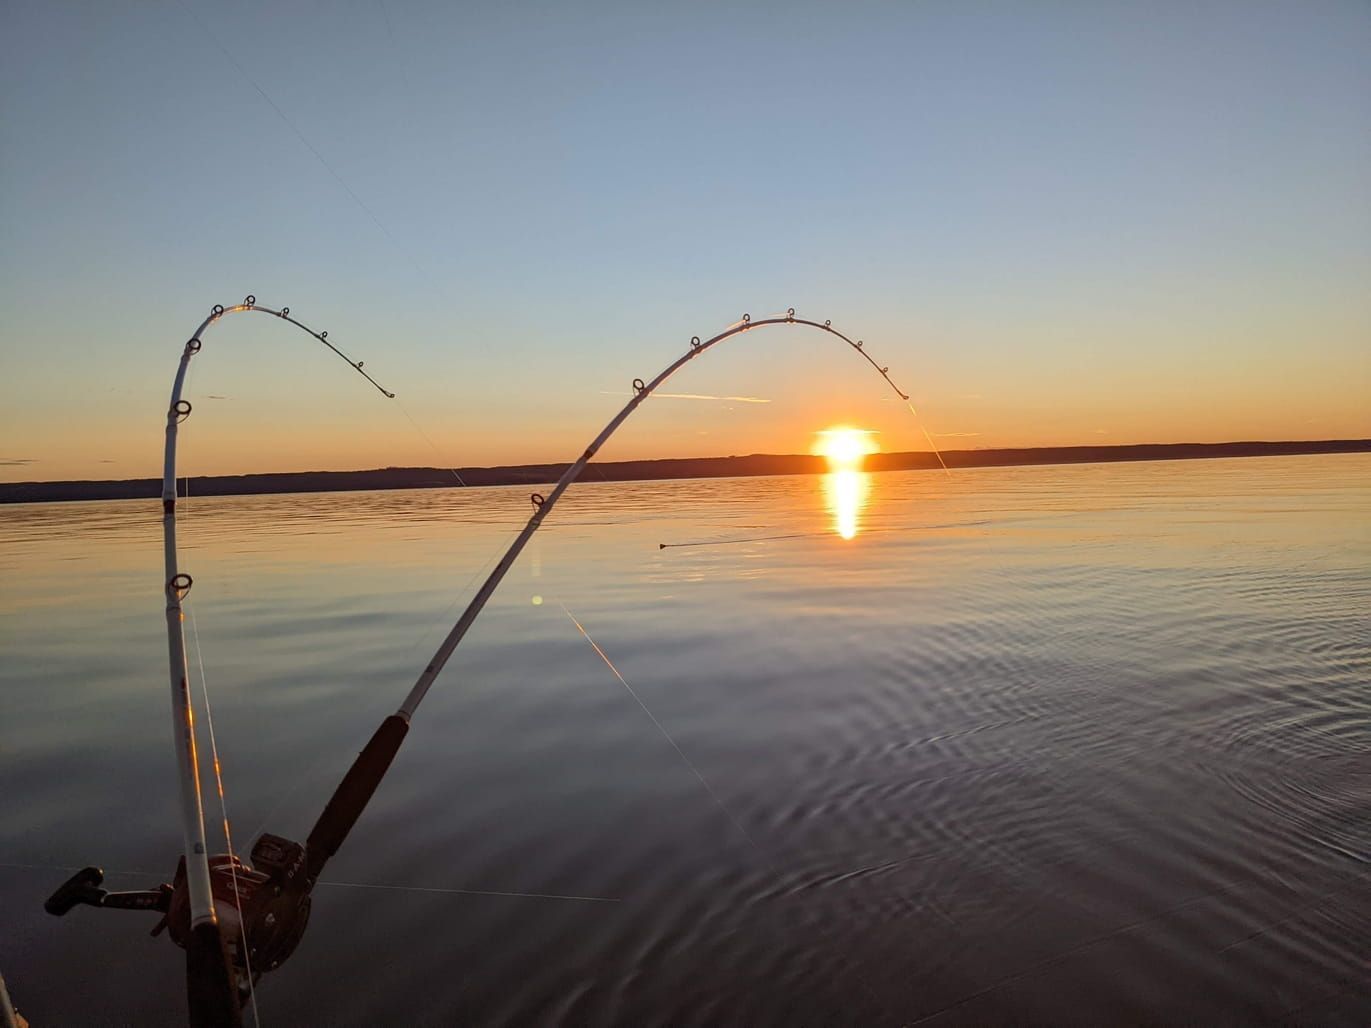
(847, 492)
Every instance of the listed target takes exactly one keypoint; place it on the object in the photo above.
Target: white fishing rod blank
(543, 505)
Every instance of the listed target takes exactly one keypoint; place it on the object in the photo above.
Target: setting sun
(846, 485)
(845, 448)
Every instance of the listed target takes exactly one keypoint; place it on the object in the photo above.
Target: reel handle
(82, 887)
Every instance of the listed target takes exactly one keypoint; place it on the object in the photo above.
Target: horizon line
(731, 466)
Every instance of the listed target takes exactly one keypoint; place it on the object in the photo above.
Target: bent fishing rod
(208, 905)
(273, 891)
(362, 779)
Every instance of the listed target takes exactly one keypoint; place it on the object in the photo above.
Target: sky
(1057, 223)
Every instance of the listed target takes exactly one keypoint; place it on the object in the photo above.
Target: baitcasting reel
(272, 892)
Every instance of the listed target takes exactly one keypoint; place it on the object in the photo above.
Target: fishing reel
(272, 892)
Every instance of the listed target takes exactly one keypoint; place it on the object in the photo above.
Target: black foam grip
(353, 793)
(212, 996)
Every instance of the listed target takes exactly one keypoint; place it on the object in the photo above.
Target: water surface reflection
(1064, 745)
(847, 491)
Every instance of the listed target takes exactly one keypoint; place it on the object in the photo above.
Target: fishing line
(474, 892)
(936, 452)
(758, 539)
(219, 784)
(542, 505)
(435, 621)
(713, 795)
(431, 445)
(350, 885)
(308, 145)
(324, 756)
(696, 772)
(813, 535)
(667, 736)
(395, 49)
(290, 793)
(686, 760)
(223, 807)
(65, 867)
(193, 347)
(336, 821)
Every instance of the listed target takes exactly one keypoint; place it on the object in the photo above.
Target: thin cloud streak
(695, 396)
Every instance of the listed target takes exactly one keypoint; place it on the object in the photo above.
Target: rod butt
(212, 996)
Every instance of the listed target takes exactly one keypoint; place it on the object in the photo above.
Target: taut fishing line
(932, 445)
(394, 46)
(665, 734)
(284, 313)
(273, 917)
(307, 144)
(757, 539)
(193, 347)
(73, 867)
(324, 756)
(223, 809)
(218, 771)
(861, 978)
(542, 505)
(445, 465)
(812, 535)
(475, 892)
(122, 872)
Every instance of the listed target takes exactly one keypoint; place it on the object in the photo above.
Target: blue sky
(1057, 223)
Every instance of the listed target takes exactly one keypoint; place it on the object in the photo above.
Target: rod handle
(212, 995)
(353, 793)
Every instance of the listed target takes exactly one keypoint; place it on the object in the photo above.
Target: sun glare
(845, 448)
(846, 484)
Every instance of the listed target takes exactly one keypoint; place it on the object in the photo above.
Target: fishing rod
(206, 890)
(275, 888)
(366, 772)
(9, 1017)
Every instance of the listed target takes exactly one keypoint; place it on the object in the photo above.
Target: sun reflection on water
(847, 491)
(846, 486)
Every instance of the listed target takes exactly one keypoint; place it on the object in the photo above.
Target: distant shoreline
(654, 470)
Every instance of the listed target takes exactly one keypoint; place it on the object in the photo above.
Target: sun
(844, 447)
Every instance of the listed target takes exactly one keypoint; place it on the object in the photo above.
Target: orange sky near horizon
(1057, 225)
(258, 424)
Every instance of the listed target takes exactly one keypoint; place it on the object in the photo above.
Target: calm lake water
(1078, 745)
